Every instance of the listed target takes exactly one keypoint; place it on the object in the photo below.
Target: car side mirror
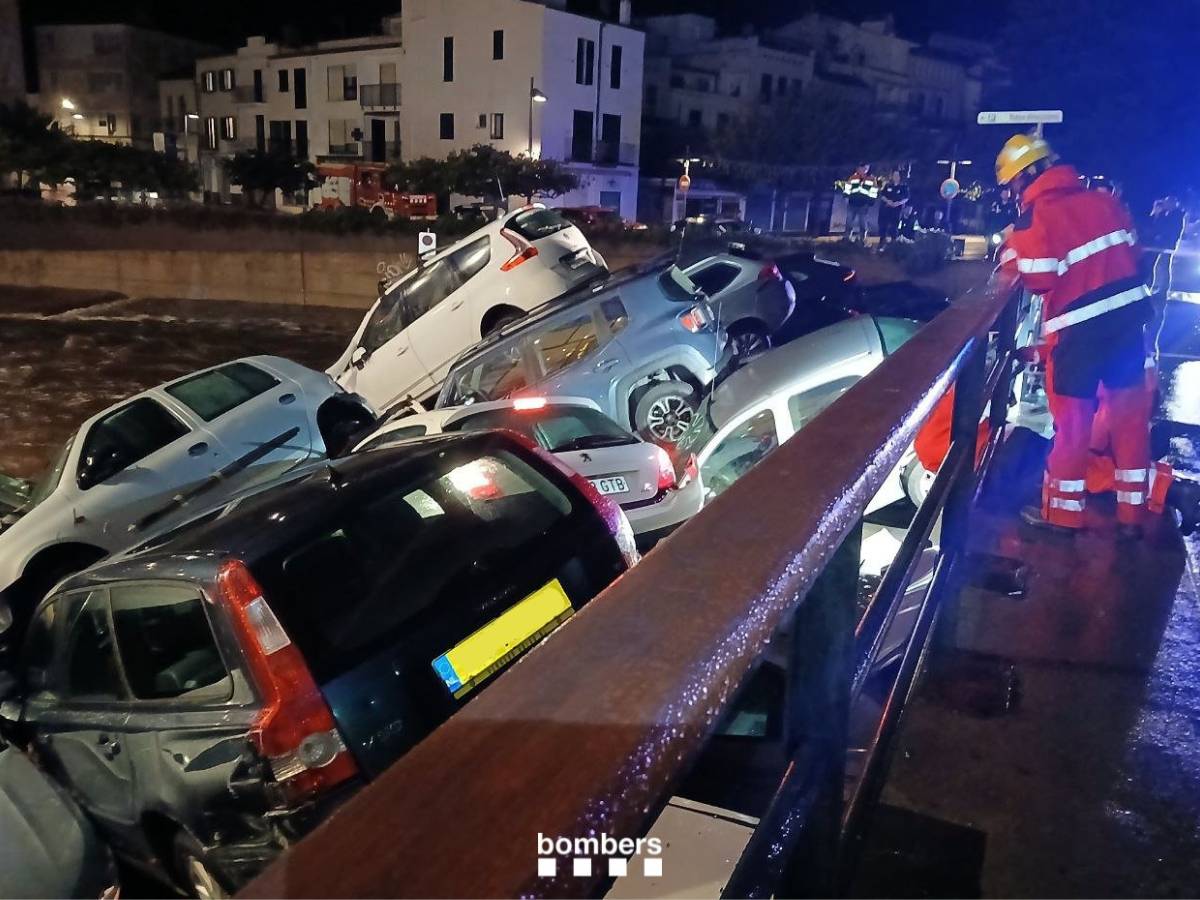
(102, 463)
(358, 357)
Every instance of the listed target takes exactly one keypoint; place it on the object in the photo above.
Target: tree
(31, 144)
(483, 171)
(260, 172)
(99, 167)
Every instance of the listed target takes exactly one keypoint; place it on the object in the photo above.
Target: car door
(133, 460)
(438, 300)
(75, 704)
(259, 421)
(738, 447)
(383, 367)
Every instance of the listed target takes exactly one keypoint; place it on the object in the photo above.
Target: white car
(139, 463)
(424, 320)
(774, 395)
(638, 475)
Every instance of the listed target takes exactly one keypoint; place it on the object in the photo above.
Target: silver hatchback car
(643, 345)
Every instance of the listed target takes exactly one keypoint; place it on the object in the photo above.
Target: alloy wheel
(668, 418)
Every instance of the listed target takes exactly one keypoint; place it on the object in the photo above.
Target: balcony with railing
(246, 93)
(604, 153)
(379, 96)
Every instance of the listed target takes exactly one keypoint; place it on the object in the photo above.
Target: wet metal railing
(590, 733)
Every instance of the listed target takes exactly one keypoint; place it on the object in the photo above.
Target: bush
(928, 253)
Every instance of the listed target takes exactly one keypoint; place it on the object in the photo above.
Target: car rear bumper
(675, 508)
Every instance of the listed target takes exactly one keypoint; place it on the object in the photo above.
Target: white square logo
(618, 867)
(547, 868)
(582, 866)
(652, 866)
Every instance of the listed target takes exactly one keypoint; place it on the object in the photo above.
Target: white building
(519, 75)
(12, 59)
(472, 70)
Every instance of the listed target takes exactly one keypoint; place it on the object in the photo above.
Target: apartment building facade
(12, 57)
(100, 82)
(522, 76)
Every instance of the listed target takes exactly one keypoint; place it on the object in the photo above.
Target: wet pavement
(65, 355)
(1088, 784)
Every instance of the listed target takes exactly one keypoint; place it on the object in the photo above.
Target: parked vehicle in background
(637, 475)
(773, 396)
(600, 218)
(495, 275)
(140, 461)
(364, 186)
(48, 848)
(212, 695)
(751, 298)
(643, 345)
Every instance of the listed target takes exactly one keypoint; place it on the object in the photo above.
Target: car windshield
(534, 224)
(557, 428)
(50, 479)
(677, 286)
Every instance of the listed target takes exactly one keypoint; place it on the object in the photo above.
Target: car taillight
(689, 472)
(295, 730)
(695, 319)
(770, 272)
(523, 252)
(525, 404)
(666, 471)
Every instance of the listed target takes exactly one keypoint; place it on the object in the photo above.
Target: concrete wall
(292, 278)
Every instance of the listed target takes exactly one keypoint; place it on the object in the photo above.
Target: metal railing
(595, 729)
(245, 93)
(379, 96)
(608, 153)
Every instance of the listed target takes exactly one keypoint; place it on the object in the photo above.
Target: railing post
(820, 674)
(968, 407)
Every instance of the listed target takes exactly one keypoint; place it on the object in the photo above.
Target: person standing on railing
(1077, 249)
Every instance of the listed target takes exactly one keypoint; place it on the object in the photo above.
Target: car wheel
(749, 340)
(194, 870)
(665, 411)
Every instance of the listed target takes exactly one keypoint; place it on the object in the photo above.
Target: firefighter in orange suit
(1077, 249)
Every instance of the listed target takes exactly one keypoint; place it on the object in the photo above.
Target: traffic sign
(949, 189)
(1021, 117)
(685, 181)
(426, 242)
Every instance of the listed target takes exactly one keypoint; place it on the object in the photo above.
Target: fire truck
(362, 185)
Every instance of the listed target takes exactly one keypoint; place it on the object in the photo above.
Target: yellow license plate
(472, 660)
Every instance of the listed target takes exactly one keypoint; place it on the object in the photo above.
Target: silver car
(636, 474)
(750, 296)
(643, 345)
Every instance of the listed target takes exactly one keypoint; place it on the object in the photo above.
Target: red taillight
(295, 730)
(849, 276)
(770, 272)
(695, 319)
(523, 252)
(525, 404)
(666, 471)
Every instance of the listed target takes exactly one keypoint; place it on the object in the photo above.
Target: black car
(210, 696)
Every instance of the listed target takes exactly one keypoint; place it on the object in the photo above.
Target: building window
(210, 133)
(104, 82)
(209, 81)
(258, 86)
(341, 137)
(614, 69)
(227, 79)
(300, 80)
(611, 200)
(585, 61)
(483, 120)
(781, 86)
(343, 83)
(498, 44)
(764, 90)
(260, 133)
(497, 126)
(446, 126)
(301, 139)
(447, 59)
(283, 81)
(228, 128)
(694, 118)
(722, 120)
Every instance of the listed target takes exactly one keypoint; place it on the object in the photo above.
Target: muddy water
(58, 369)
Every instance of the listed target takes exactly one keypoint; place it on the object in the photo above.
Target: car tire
(749, 339)
(195, 873)
(663, 413)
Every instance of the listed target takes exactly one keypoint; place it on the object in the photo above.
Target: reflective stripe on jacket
(1076, 248)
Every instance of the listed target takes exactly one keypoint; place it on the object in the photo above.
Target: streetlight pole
(535, 96)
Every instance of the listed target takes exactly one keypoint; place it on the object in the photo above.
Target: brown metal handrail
(591, 731)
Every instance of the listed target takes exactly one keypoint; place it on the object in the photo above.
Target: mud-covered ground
(65, 355)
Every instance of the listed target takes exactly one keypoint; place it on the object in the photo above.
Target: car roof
(258, 522)
(772, 372)
(442, 417)
(592, 288)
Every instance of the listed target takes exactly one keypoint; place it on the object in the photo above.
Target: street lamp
(535, 96)
(67, 104)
